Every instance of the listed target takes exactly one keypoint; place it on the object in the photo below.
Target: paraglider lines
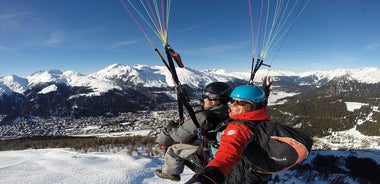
(155, 16)
(273, 19)
(271, 22)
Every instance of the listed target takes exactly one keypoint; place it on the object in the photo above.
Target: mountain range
(119, 76)
(308, 97)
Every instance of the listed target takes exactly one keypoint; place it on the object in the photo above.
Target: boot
(173, 177)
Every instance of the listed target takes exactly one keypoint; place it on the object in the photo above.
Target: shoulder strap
(269, 127)
(269, 132)
(224, 124)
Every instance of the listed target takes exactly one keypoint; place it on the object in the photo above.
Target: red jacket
(234, 139)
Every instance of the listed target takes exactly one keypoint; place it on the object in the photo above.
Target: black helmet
(222, 89)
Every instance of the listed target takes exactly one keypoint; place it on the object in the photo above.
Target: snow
(66, 166)
(99, 85)
(116, 134)
(365, 74)
(4, 89)
(351, 106)
(63, 166)
(47, 76)
(159, 76)
(347, 139)
(14, 83)
(276, 96)
(48, 89)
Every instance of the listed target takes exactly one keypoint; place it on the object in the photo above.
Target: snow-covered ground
(62, 166)
(277, 97)
(351, 106)
(347, 139)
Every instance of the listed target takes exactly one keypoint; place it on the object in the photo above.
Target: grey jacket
(187, 132)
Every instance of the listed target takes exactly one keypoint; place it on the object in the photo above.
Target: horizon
(263, 69)
(88, 36)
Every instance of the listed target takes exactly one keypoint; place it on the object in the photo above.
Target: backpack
(275, 147)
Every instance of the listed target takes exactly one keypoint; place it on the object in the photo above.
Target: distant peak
(115, 65)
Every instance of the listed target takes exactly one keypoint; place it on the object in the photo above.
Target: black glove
(209, 175)
(267, 82)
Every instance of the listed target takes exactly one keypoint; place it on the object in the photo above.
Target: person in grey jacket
(181, 141)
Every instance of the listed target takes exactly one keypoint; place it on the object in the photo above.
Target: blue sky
(88, 35)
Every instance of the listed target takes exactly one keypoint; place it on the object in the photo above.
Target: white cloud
(187, 29)
(6, 49)
(216, 49)
(345, 59)
(372, 47)
(12, 21)
(120, 44)
(55, 38)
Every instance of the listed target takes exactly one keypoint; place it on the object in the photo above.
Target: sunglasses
(239, 102)
(210, 96)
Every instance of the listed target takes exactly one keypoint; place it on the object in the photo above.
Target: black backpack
(275, 147)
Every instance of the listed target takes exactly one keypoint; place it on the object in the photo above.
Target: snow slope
(62, 166)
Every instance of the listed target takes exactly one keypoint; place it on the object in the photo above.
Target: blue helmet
(249, 93)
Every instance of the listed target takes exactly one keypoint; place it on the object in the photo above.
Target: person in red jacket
(248, 103)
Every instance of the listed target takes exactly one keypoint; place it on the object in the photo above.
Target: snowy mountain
(315, 102)
(112, 77)
(117, 75)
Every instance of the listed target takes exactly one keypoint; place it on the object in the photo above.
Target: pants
(174, 159)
